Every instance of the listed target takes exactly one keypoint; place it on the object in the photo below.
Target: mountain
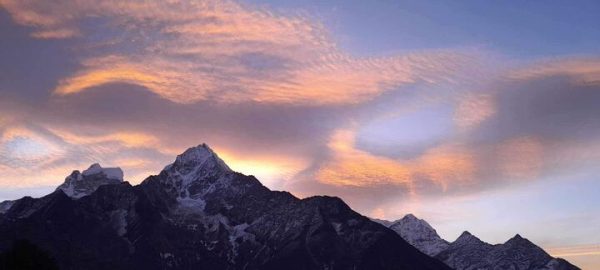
(199, 214)
(80, 184)
(468, 252)
(420, 234)
(516, 253)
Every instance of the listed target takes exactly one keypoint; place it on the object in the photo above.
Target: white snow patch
(195, 204)
(338, 227)
(5, 206)
(110, 173)
(118, 220)
(238, 231)
(166, 255)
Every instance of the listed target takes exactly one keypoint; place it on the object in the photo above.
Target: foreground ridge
(199, 214)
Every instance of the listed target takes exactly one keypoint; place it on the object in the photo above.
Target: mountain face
(516, 253)
(199, 214)
(420, 234)
(80, 184)
(468, 252)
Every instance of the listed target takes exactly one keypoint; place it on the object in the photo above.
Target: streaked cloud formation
(278, 94)
(187, 51)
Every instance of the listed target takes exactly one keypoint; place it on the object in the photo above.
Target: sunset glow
(452, 111)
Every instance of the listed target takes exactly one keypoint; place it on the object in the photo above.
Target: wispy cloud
(221, 50)
(32, 155)
(349, 166)
(572, 251)
(581, 70)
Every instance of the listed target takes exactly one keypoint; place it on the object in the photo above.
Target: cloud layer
(188, 51)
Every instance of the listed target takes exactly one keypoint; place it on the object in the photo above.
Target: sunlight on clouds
(378, 213)
(44, 156)
(473, 109)
(571, 251)
(584, 71)
(21, 147)
(352, 167)
(128, 139)
(99, 77)
(169, 80)
(446, 165)
(220, 50)
(58, 34)
(27, 158)
(520, 158)
(272, 171)
(583, 256)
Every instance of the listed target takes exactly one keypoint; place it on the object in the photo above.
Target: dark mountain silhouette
(23, 255)
(199, 214)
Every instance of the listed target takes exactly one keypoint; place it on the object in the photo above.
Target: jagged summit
(465, 235)
(467, 238)
(111, 173)
(195, 174)
(201, 156)
(469, 252)
(80, 184)
(518, 240)
(410, 216)
(420, 234)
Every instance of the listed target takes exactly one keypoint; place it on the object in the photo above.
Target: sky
(473, 116)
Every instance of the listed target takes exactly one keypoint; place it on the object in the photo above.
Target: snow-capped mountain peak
(198, 157)
(420, 234)
(110, 173)
(518, 239)
(5, 206)
(466, 236)
(195, 173)
(198, 214)
(469, 252)
(80, 184)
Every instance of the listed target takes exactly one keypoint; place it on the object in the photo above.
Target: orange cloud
(224, 51)
(520, 158)
(353, 167)
(349, 166)
(473, 109)
(446, 165)
(34, 156)
(127, 139)
(272, 171)
(584, 71)
(573, 251)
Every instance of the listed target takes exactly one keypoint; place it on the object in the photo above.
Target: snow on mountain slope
(468, 252)
(80, 184)
(5, 206)
(420, 234)
(198, 214)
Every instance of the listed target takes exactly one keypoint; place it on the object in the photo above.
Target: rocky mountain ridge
(199, 214)
(468, 252)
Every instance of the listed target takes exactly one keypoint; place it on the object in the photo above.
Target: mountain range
(196, 213)
(468, 252)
